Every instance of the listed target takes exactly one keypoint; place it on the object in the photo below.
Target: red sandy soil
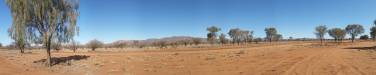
(303, 58)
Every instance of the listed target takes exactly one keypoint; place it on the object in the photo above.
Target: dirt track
(287, 59)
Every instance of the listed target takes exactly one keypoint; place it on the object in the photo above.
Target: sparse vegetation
(74, 45)
(196, 41)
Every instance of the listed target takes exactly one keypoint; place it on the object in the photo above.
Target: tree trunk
(49, 62)
(22, 50)
(321, 41)
(352, 39)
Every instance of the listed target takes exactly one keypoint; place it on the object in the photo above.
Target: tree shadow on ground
(362, 48)
(59, 60)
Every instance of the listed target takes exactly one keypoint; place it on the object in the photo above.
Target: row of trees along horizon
(51, 24)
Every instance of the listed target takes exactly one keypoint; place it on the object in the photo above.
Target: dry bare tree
(222, 39)
(354, 30)
(320, 32)
(271, 33)
(212, 35)
(45, 20)
(94, 44)
(74, 45)
(337, 33)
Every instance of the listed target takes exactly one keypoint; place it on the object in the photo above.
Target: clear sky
(111, 20)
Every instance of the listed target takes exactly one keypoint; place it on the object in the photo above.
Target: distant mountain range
(167, 39)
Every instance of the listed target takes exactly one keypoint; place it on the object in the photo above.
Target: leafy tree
(354, 30)
(94, 44)
(222, 38)
(42, 21)
(364, 37)
(249, 36)
(320, 32)
(235, 35)
(373, 33)
(212, 35)
(337, 33)
(270, 33)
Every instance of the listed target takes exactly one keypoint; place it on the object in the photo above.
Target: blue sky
(111, 20)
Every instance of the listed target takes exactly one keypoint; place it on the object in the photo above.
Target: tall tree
(235, 34)
(320, 32)
(354, 30)
(271, 33)
(373, 33)
(337, 33)
(42, 21)
(212, 35)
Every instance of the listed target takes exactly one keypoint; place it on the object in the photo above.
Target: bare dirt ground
(294, 58)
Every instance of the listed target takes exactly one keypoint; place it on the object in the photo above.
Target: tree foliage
(271, 33)
(196, 41)
(42, 21)
(337, 33)
(364, 37)
(212, 35)
(94, 44)
(320, 32)
(239, 36)
(222, 38)
(373, 32)
(354, 30)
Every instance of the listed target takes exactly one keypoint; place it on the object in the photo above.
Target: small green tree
(94, 44)
(337, 33)
(271, 33)
(354, 30)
